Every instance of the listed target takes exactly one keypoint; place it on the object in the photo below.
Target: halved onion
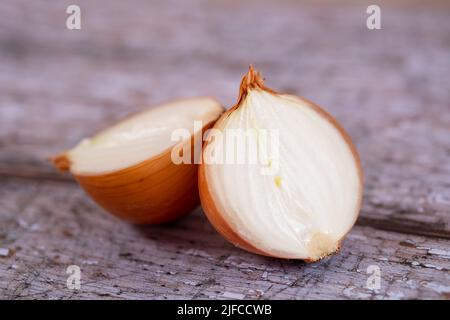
(128, 168)
(296, 202)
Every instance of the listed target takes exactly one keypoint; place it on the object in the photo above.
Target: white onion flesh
(305, 208)
(141, 136)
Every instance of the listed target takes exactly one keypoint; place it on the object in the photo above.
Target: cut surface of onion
(307, 201)
(140, 137)
(128, 168)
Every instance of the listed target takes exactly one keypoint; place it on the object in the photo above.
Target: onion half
(304, 207)
(128, 168)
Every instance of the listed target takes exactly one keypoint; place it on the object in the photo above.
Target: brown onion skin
(151, 192)
(251, 81)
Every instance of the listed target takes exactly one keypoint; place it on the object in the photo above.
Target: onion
(128, 169)
(304, 192)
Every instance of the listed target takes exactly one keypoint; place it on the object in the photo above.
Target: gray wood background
(389, 88)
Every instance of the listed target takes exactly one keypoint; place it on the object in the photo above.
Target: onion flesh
(140, 136)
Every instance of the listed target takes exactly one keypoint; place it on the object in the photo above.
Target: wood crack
(405, 226)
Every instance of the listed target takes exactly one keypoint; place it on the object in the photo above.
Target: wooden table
(389, 88)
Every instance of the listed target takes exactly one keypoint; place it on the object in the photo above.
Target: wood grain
(51, 225)
(389, 88)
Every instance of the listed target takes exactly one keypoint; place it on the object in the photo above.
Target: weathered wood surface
(389, 88)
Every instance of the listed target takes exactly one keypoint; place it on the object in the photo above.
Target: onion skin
(153, 191)
(250, 81)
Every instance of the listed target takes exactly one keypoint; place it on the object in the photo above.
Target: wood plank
(48, 226)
